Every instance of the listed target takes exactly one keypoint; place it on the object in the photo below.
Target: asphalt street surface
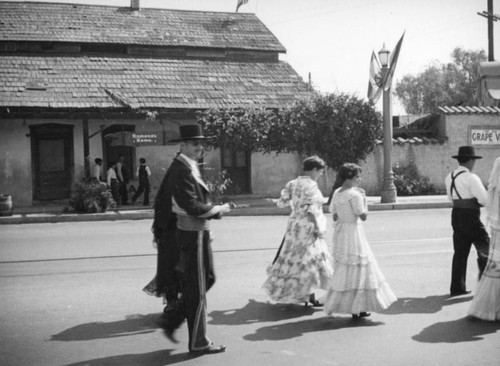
(71, 294)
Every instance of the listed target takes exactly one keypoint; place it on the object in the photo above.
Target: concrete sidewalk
(247, 205)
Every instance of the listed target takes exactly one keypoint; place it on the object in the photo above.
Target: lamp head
(383, 56)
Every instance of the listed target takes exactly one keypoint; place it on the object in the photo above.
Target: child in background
(358, 286)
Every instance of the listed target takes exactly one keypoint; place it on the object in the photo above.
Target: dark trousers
(115, 190)
(168, 278)
(144, 187)
(123, 193)
(468, 230)
(196, 264)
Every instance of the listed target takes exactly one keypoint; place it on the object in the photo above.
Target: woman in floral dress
(486, 302)
(358, 286)
(303, 263)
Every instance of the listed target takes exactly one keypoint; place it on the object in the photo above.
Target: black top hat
(466, 152)
(189, 132)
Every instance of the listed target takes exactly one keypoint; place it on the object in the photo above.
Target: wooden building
(83, 81)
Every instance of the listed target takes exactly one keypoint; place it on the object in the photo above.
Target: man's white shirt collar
(193, 165)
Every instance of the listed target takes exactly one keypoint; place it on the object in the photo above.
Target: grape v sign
(484, 136)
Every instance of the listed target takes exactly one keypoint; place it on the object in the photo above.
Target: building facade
(78, 82)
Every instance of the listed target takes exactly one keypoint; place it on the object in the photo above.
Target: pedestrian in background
(358, 286)
(112, 181)
(97, 175)
(143, 174)
(304, 262)
(468, 195)
(123, 177)
(486, 302)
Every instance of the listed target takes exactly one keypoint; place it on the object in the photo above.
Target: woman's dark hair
(142, 161)
(348, 171)
(313, 162)
(98, 160)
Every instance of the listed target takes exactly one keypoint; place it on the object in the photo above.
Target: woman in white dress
(303, 262)
(486, 302)
(358, 286)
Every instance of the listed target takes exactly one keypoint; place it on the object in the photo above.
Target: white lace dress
(304, 262)
(358, 284)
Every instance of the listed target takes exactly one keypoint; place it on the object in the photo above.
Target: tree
(455, 83)
(338, 127)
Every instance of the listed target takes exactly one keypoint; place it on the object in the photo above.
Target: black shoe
(315, 303)
(168, 328)
(209, 350)
(363, 314)
(170, 307)
(459, 293)
(169, 333)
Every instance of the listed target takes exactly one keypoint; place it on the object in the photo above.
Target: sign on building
(484, 136)
(149, 138)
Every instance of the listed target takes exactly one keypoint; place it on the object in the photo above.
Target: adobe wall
(15, 160)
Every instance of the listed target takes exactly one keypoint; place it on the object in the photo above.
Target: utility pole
(491, 18)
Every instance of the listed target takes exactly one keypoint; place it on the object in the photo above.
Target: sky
(333, 39)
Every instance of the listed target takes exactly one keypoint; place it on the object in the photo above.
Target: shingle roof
(30, 21)
(111, 82)
(470, 110)
(415, 141)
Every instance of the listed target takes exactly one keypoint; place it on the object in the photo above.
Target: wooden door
(52, 161)
(237, 163)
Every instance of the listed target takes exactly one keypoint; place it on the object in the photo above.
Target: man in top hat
(192, 205)
(468, 194)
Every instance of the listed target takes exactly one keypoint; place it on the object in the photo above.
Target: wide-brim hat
(466, 152)
(190, 132)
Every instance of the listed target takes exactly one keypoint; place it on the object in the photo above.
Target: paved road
(71, 295)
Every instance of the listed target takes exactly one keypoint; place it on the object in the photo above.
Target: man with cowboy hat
(191, 203)
(468, 194)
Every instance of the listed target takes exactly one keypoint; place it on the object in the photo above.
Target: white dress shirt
(111, 174)
(467, 184)
(193, 164)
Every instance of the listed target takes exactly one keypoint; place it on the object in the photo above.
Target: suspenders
(468, 203)
(453, 184)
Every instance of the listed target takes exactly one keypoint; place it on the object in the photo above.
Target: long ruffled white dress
(358, 285)
(304, 262)
(486, 302)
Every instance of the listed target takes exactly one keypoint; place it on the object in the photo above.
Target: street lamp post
(388, 193)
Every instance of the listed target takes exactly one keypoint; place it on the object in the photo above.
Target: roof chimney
(135, 4)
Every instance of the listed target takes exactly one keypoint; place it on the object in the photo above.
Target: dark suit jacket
(189, 192)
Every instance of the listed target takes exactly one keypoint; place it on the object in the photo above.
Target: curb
(147, 214)
(407, 206)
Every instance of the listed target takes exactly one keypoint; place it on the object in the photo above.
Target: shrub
(218, 182)
(409, 183)
(90, 197)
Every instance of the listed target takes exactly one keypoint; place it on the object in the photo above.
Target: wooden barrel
(5, 205)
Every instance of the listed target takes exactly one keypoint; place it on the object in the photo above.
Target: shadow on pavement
(280, 332)
(131, 325)
(467, 329)
(156, 358)
(424, 305)
(256, 312)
